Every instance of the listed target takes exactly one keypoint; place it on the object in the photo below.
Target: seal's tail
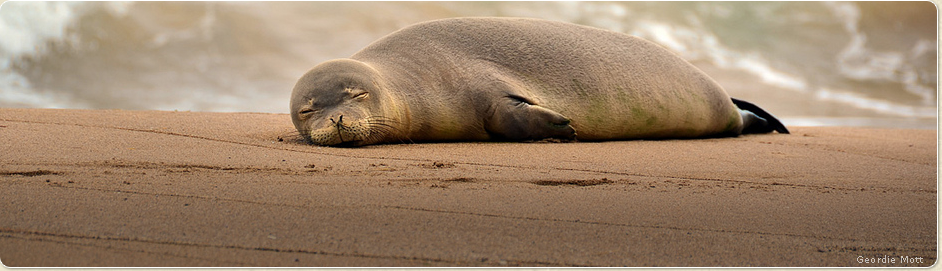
(756, 120)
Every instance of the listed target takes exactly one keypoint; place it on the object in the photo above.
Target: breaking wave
(874, 59)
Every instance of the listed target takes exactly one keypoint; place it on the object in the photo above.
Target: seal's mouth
(344, 132)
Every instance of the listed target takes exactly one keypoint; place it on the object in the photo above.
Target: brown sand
(126, 188)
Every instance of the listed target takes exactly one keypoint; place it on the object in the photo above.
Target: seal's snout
(337, 122)
(341, 131)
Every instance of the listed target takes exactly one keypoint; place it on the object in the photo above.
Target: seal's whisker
(385, 125)
(381, 128)
(383, 122)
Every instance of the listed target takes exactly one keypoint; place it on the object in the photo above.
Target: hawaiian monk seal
(475, 79)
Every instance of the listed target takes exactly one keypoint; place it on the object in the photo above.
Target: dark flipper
(763, 122)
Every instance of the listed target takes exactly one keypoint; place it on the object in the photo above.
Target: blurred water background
(810, 63)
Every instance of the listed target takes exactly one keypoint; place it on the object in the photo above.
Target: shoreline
(96, 188)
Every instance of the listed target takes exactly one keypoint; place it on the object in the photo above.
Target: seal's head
(345, 102)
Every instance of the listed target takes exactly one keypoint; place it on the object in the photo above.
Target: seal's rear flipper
(757, 121)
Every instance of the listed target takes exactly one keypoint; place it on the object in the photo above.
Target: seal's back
(612, 85)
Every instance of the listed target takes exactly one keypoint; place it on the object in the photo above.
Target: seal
(514, 79)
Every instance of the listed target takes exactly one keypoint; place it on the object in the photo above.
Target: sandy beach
(98, 188)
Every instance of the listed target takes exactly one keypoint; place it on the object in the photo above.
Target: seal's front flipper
(756, 121)
(517, 118)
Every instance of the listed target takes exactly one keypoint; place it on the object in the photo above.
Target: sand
(147, 188)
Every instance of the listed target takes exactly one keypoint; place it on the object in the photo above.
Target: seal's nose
(339, 120)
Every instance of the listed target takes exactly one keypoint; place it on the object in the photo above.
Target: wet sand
(148, 188)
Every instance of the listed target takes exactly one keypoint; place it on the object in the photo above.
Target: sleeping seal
(514, 79)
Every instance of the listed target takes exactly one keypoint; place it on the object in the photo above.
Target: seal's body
(514, 79)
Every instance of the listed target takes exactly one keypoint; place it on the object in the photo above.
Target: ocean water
(809, 63)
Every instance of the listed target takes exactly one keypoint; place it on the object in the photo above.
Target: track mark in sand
(41, 239)
(185, 196)
(439, 164)
(591, 182)
(311, 168)
(623, 225)
(29, 173)
(182, 167)
(417, 209)
(459, 180)
(311, 151)
(167, 167)
(280, 250)
(820, 147)
(777, 184)
(188, 136)
(874, 249)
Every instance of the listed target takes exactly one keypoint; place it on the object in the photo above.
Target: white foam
(27, 26)
(665, 35)
(756, 65)
(26, 29)
(911, 77)
(697, 44)
(15, 90)
(857, 61)
(883, 106)
(847, 12)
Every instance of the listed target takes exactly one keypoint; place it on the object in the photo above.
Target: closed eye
(520, 99)
(306, 111)
(361, 95)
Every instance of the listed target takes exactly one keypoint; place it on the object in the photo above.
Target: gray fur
(514, 79)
